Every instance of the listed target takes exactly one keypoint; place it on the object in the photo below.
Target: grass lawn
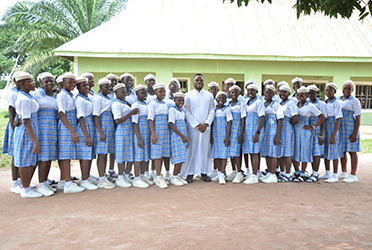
(5, 160)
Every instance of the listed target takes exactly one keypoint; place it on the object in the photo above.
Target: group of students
(145, 123)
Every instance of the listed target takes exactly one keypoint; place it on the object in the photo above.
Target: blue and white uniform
(149, 98)
(238, 112)
(8, 137)
(141, 154)
(287, 142)
(318, 150)
(158, 112)
(332, 151)
(131, 98)
(26, 107)
(178, 148)
(219, 131)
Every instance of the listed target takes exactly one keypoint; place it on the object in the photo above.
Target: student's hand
(255, 138)
(184, 139)
(188, 144)
(75, 137)
(88, 142)
(211, 140)
(227, 141)
(240, 139)
(202, 127)
(332, 140)
(277, 140)
(134, 111)
(154, 139)
(321, 140)
(17, 122)
(308, 127)
(353, 137)
(36, 149)
(102, 137)
(140, 144)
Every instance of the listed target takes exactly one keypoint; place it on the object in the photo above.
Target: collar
(100, 94)
(121, 101)
(84, 97)
(69, 93)
(14, 89)
(161, 102)
(350, 97)
(333, 100)
(142, 103)
(26, 94)
(237, 103)
(249, 102)
(284, 102)
(42, 92)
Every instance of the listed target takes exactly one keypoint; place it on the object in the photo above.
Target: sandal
(313, 178)
(283, 178)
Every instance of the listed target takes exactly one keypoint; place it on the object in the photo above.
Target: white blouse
(224, 112)
(84, 106)
(333, 108)
(65, 101)
(256, 106)
(44, 100)
(12, 97)
(175, 114)
(239, 107)
(132, 97)
(308, 110)
(290, 109)
(351, 104)
(321, 106)
(156, 108)
(149, 98)
(274, 108)
(120, 109)
(101, 104)
(26, 105)
(143, 110)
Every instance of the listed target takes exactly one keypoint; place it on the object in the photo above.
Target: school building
(180, 38)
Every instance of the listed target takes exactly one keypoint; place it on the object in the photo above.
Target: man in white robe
(199, 108)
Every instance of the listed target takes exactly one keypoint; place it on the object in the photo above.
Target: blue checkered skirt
(23, 144)
(268, 147)
(162, 147)
(251, 122)
(66, 147)
(142, 154)
(287, 138)
(178, 148)
(347, 128)
(303, 141)
(8, 140)
(219, 149)
(108, 127)
(318, 150)
(331, 151)
(124, 150)
(236, 126)
(84, 152)
(48, 134)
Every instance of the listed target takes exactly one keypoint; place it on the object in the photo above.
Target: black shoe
(74, 178)
(189, 178)
(205, 178)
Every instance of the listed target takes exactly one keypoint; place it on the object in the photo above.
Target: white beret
(252, 86)
(119, 86)
(349, 83)
(297, 79)
(303, 89)
(59, 79)
(249, 82)
(269, 81)
(271, 87)
(282, 83)
(68, 75)
(230, 80)
(87, 74)
(104, 81)
(39, 77)
(176, 80)
(15, 74)
(212, 84)
(149, 76)
(285, 88)
(126, 74)
(235, 87)
(23, 76)
(221, 93)
(81, 80)
(112, 76)
(47, 74)
(139, 87)
(332, 85)
(313, 87)
(159, 86)
(178, 94)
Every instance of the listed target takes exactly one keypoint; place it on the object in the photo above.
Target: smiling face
(83, 88)
(302, 97)
(68, 84)
(330, 92)
(221, 99)
(150, 83)
(47, 84)
(234, 94)
(283, 95)
(121, 93)
(214, 90)
(160, 93)
(128, 81)
(105, 89)
(296, 85)
(268, 94)
(91, 81)
(312, 95)
(251, 93)
(179, 101)
(141, 95)
(229, 85)
(198, 82)
(114, 81)
(347, 90)
(173, 87)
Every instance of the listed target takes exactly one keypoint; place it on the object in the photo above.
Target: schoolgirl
(150, 81)
(296, 84)
(213, 89)
(114, 80)
(91, 83)
(270, 82)
(221, 132)
(174, 87)
(127, 79)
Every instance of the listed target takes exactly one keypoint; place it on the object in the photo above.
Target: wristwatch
(258, 132)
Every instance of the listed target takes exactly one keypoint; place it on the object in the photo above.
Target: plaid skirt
(162, 147)
(251, 122)
(318, 150)
(83, 152)
(66, 147)
(8, 140)
(219, 149)
(23, 144)
(331, 151)
(235, 146)
(303, 141)
(268, 147)
(142, 154)
(48, 134)
(287, 138)
(124, 142)
(347, 128)
(108, 127)
(178, 148)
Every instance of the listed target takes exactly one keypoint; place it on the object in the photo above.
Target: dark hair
(198, 74)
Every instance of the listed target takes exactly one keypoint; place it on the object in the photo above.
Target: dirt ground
(197, 216)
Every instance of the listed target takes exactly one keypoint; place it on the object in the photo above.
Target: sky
(4, 4)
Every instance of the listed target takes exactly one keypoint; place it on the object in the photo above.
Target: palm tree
(47, 24)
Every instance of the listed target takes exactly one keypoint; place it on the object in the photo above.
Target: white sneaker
(343, 175)
(160, 182)
(332, 179)
(148, 181)
(92, 180)
(106, 184)
(221, 179)
(213, 173)
(73, 188)
(139, 183)
(17, 189)
(325, 176)
(32, 186)
(270, 179)
(122, 183)
(153, 176)
(60, 185)
(351, 179)
(217, 177)
(231, 176)
(239, 178)
(247, 176)
(259, 174)
(175, 181)
(263, 177)
(50, 187)
(31, 194)
(184, 182)
(44, 190)
(129, 180)
(88, 185)
(167, 177)
(253, 179)
(93, 177)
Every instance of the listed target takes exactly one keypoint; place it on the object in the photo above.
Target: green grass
(366, 145)
(5, 160)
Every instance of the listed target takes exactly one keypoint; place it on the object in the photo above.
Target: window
(184, 83)
(363, 92)
(321, 86)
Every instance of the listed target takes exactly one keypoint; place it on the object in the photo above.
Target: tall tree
(47, 24)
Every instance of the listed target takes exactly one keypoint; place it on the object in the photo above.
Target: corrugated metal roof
(216, 28)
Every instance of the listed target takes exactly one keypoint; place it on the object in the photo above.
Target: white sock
(41, 184)
(287, 175)
(142, 175)
(126, 176)
(14, 184)
(26, 190)
(84, 181)
(136, 178)
(120, 177)
(277, 170)
(168, 172)
(234, 171)
(101, 179)
(247, 171)
(335, 175)
(146, 173)
(19, 181)
(328, 172)
(152, 172)
(179, 175)
(174, 177)
(68, 183)
(315, 173)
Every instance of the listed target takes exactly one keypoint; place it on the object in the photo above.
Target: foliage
(331, 8)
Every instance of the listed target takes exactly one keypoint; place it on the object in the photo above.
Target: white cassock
(199, 108)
